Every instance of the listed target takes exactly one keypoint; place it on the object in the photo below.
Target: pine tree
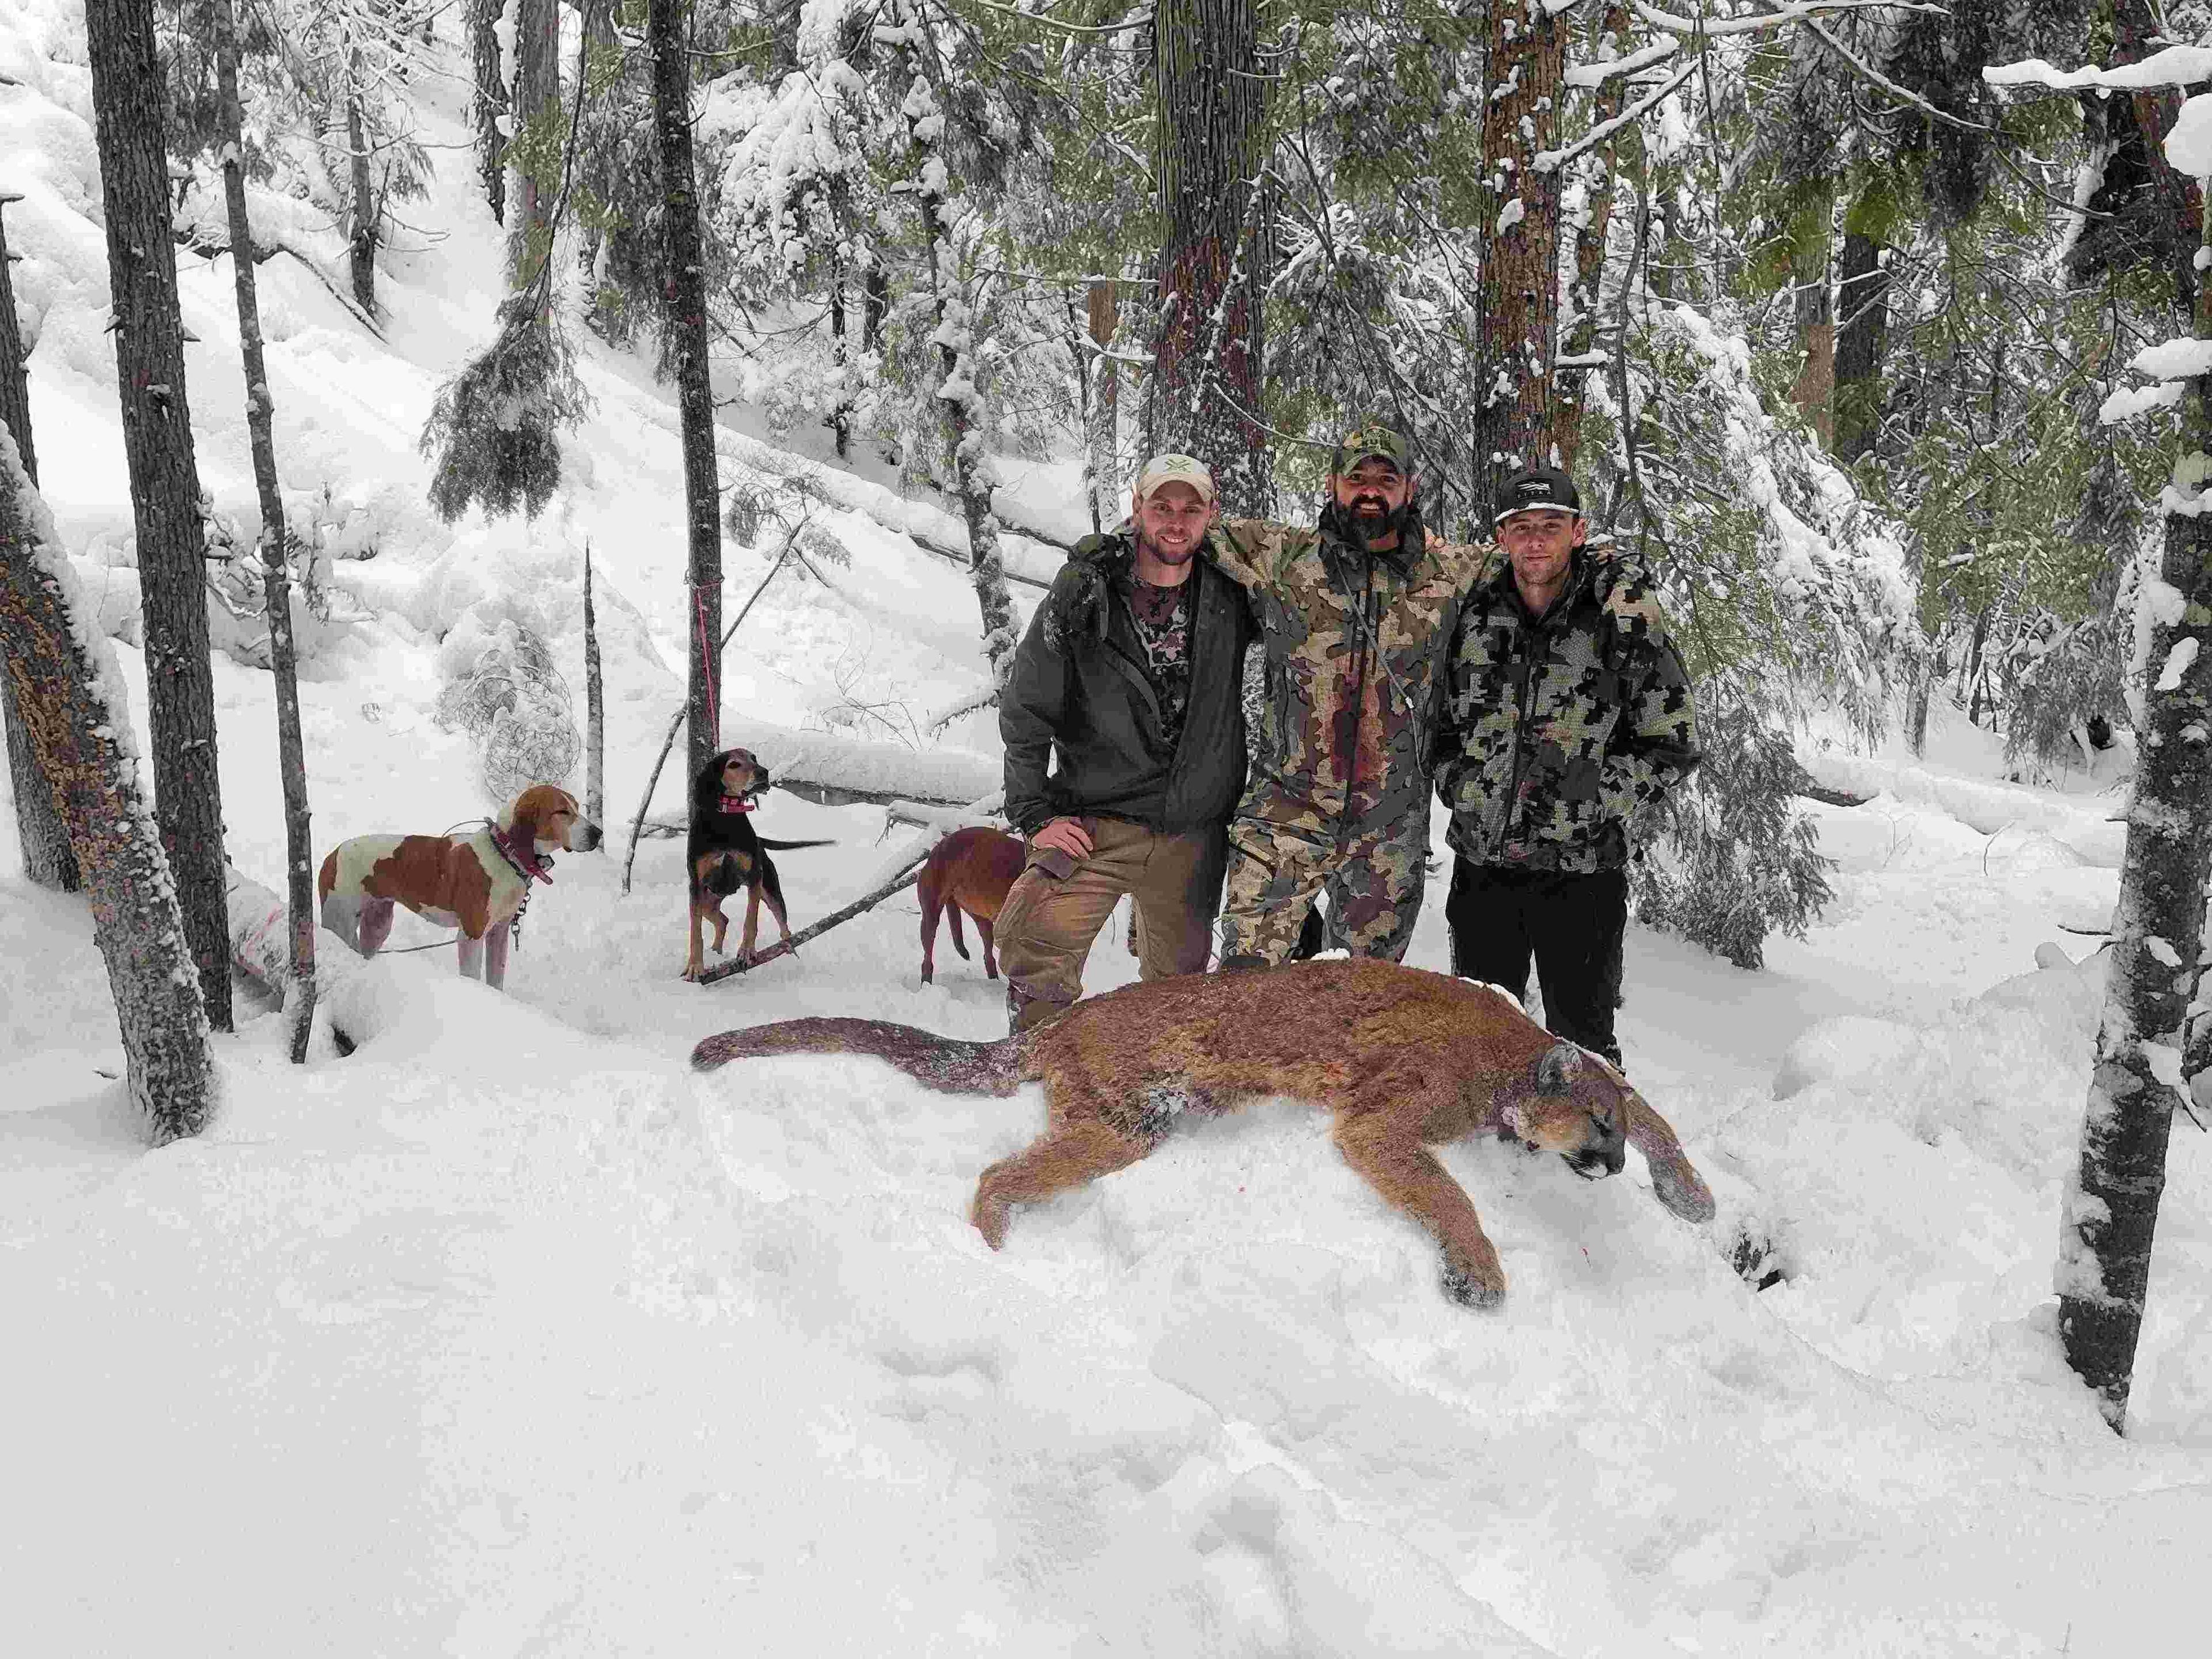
(65, 682)
(684, 297)
(47, 859)
(1203, 395)
(488, 102)
(276, 549)
(157, 442)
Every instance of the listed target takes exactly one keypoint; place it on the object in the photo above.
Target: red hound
(478, 882)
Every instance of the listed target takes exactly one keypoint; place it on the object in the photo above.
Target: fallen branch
(786, 947)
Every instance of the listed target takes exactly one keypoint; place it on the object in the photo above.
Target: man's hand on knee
(1063, 836)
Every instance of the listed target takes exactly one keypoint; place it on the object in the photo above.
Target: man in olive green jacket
(1125, 746)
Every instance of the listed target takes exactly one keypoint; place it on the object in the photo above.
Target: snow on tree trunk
(959, 398)
(595, 710)
(274, 542)
(66, 683)
(1592, 223)
(47, 859)
(360, 236)
(1101, 434)
(2110, 1210)
(684, 291)
(537, 114)
(1203, 397)
(488, 102)
(165, 489)
(1517, 307)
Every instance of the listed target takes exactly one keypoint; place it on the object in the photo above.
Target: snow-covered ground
(509, 1335)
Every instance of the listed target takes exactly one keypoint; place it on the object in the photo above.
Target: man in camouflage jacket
(1355, 619)
(1567, 714)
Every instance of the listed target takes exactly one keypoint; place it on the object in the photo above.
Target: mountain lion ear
(1555, 1071)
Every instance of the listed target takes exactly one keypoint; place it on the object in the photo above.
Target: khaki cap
(1176, 469)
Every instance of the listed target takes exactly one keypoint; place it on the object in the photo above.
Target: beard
(1357, 530)
(1169, 556)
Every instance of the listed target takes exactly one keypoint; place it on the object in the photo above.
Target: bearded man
(1125, 746)
(1355, 618)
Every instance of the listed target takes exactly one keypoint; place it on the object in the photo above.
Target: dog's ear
(1555, 1071)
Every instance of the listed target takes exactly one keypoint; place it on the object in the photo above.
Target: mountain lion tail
(952, 1066)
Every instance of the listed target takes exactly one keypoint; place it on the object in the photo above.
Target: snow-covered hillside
(509, 1335)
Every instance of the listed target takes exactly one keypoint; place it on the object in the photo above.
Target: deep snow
(509, 1335)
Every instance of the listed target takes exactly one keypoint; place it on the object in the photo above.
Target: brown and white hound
(477, 882)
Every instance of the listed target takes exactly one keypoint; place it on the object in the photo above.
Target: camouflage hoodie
(1355, 644)
(1558, 730)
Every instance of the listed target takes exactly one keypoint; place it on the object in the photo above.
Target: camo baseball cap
(1372, 442)
(1176, 469)
(1534, 488)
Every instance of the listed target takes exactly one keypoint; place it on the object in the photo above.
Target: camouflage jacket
(1354, 645)
(1558, 730)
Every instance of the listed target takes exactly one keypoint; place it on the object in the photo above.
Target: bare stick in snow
(595, 711)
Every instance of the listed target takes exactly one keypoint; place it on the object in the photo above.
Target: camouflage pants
(1373, 881)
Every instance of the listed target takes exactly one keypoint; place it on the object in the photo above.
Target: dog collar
(738, 802)
(528, 863)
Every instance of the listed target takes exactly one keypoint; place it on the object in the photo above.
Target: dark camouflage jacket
(1081, 718)
(1355, 644)
(1559, 730)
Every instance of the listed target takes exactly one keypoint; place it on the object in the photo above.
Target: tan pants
(1046, 928)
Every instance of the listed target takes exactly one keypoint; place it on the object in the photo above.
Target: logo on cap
(1537, 487)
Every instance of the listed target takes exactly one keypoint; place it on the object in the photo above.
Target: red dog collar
(525, 859)
(738, 802)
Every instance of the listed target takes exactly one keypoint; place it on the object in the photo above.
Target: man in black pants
(1567, 715)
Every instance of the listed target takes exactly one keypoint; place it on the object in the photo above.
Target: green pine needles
(495, 428)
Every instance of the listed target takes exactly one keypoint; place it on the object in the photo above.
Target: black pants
(1572, 923)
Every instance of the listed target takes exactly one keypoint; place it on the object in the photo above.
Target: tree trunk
(684, 291)
(1101, 434)
(165, 487)
(960, 401)
(275, 543)
(1578, 336)
(537, 113)
(595, 709)
(1814, 391)
(1203, 397)
(47, 859)
(2112, 1205)
(875, 306)
(361, 242)
(1863, 301)
(71, 705)
(488, 102)
(1526, 49)
(840, 348)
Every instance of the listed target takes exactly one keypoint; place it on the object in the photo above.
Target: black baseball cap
(1536, 487)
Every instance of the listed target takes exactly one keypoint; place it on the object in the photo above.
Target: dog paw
(1473, 1284)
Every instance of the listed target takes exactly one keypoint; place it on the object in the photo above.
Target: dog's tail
(952, 1066)
(791, 846)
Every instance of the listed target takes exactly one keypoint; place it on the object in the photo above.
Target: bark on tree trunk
(2112, 1205)
(1863, 301)
(1101, 434)
(1815, 388)
(537, 108)
(64, 695)
(47, 859)
(595, 709)
(1579, 338)
(684, 291)
(275, 574)
(1526, 49)
(361, 242)
(488, 102)
(958, 397)
(164, 488)
(1203, 397)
